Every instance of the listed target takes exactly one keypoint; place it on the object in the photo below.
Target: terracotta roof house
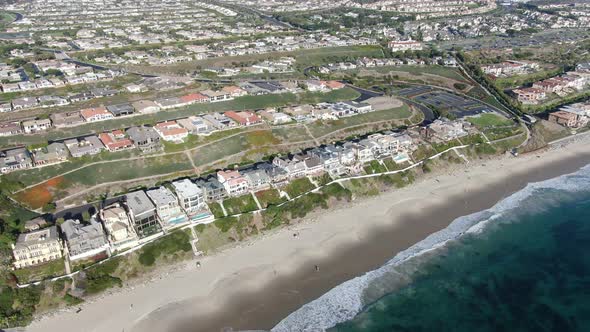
(115, 141)
(245, 118)
(171, 131)
(194, 98)
(96, 114)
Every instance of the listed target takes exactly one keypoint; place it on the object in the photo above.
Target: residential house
(212, 188)
(84, 240)
(66, 119)
(145, 106)
(167, 207)
(53, 153)
(404, 45)
(35, 224)
(564, 118)
(145, 138)
(24, 103)
(142, 213)
(529, 95)
(171, 131)
(234, 91)
(120, 233)
(275, 117)
(10, 128)
(323, 86)
(121, 109)
(215, 96)
(168, 103)
(84, 146)
(295, 168)
(219, 121)
(445, 130)
(15, 159)
(245, 118)
(192, 198)
(37, 125)
(196, 125)
(330, 160)
(115, 140)
(37, 247)
(233, 182)
(5, 107)
(96, 114)
(194, 98)
(257, 179)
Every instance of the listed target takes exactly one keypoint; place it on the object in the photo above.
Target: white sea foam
(345, 301)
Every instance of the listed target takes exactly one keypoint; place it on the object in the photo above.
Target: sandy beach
(256, 284)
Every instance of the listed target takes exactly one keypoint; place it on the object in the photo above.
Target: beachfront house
(167, 207)
(233, 182)
(213, 189)
(142, 213)
(37, 247)
(84, 240)
(120, 233)
(191, 198)
(257, 179)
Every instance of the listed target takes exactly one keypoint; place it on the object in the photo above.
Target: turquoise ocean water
(523, 265)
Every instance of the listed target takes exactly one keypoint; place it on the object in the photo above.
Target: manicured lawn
(241, 204)
(298, 187)
(489, 120)
(40, 272)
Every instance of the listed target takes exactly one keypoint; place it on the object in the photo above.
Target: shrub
(177, 241)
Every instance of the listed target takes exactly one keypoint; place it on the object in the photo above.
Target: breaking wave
(348, 299)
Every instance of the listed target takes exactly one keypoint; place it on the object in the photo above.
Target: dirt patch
(384, 103)
(40, 195)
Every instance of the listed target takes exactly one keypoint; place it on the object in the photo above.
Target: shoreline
(277, 279)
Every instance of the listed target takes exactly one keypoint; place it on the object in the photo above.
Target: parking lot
(445, 102)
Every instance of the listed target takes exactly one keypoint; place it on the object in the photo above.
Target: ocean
(522, 265)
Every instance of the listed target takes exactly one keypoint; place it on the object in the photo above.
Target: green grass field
(487, 120)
